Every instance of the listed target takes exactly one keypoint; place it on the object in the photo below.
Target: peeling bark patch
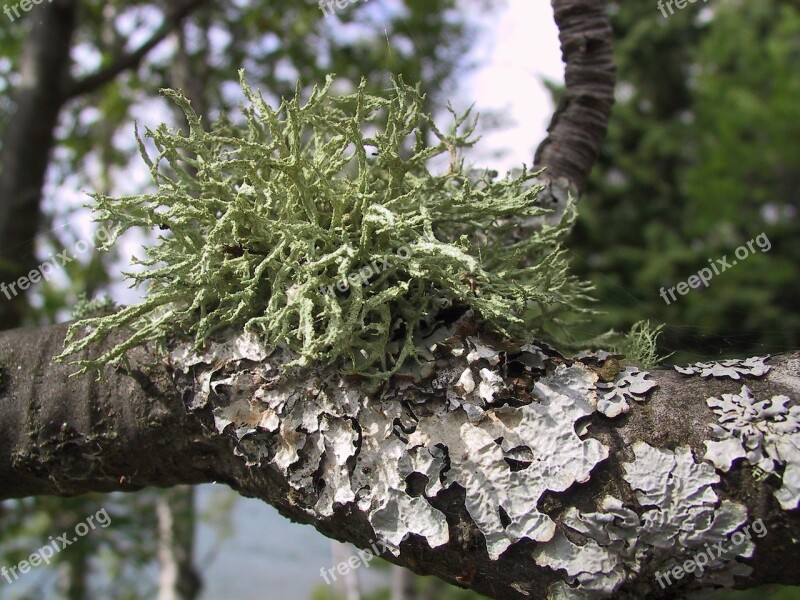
(765, 433)
(339, 445)
(681, 512)
(733, 368)
(629, 384)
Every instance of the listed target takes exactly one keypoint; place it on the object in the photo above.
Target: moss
(262, 223)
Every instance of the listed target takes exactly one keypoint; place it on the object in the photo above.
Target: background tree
(700, 157)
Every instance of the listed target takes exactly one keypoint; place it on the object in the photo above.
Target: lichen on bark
(321, 227)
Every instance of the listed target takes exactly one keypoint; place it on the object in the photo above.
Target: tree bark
(580, 121)
(353, 463)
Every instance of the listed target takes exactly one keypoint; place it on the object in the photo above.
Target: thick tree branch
(68, 435)
(374, 466)
(581, 118)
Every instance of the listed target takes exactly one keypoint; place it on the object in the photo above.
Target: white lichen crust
(765, 433)
(629, 384)
(683, 511)
(506, 425)
(340, 446)
(733, 368)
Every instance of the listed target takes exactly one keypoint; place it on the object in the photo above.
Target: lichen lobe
(337, 445)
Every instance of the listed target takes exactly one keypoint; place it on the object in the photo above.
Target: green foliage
(773, 592)
(700, 157)
(266, 222)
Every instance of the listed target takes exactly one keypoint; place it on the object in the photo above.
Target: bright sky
(521, 49)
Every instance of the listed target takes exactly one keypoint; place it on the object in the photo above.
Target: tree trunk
(345, 584)
(26, 144)
(580, 121)
(178, 579)
(73, 573)
(28, 139)
(403, 584)
(503, 468)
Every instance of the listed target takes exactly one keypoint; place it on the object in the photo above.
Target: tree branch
(132, 60)
(581, 118)
(477, 467)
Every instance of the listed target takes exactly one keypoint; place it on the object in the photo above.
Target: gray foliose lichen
(508, 425)
(765, 433)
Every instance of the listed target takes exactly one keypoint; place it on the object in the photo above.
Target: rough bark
(229, 417)
(579, 123)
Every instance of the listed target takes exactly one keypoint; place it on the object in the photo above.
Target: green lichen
(260, 223)
(85, 307)
(639, 345)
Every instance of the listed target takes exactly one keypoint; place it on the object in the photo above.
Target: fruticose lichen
(765, 433)
(733, 368)
(320, 227)
(639, 345)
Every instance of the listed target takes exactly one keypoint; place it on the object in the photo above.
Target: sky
(520, 50)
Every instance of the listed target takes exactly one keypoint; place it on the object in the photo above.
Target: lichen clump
(320, 226)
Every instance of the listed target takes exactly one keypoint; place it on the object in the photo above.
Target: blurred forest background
(703, 154)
